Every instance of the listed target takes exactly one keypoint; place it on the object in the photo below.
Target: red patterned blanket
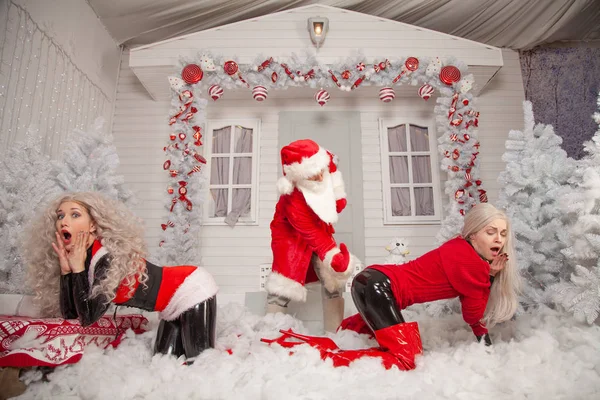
(28, 342)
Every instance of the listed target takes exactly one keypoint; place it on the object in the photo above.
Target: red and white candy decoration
(215, 91)
(450, 74)
(259, 93)
(230, 67)
(322, 97)
(192, 73)
(387, 94)
(426, 91)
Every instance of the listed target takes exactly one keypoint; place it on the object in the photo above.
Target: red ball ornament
(411, 63)
(192, 73)
(346, 74)
(450, 74)
(259, 93)
(478, 182)
(382, 65)
(182, 190)
(170, 190)
(466, 102)
(230, 67)
(322, 97)
(182, 136)
(167, 165)
(215, 91)
(387, 94)
(172, 136)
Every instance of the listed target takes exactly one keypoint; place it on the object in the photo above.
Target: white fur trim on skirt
(286, 287)
(196, 288)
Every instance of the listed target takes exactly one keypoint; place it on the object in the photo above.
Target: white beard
(320, 197)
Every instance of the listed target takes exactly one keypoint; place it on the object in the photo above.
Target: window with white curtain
(231, 150)
(411, 183)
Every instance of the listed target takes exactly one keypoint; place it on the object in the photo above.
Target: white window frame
(388, 218)
(211, 125)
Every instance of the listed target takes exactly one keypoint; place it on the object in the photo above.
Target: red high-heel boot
(328, 349)
(403, 341)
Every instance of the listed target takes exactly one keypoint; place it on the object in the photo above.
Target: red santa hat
(301, 160)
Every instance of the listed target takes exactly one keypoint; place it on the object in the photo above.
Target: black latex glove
(486, 338)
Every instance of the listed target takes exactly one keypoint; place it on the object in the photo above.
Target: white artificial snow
(539, 355)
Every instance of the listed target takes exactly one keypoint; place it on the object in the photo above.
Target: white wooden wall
(58, 70)
(233, 255)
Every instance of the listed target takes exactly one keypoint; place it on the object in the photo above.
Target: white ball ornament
(322, 97)
(387, 94)
(259, 93)
(215, 91)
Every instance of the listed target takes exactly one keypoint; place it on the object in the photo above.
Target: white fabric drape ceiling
(516, 24)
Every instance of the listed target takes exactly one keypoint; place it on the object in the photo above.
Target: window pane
(400, 202)
(399, 169)
(241, 202)
(243, 139)
(218, 203)
(397, 138)
(219, 170)
(424, 201)
(221, 140)
(419, 138)
(421, 166)
(242, 170)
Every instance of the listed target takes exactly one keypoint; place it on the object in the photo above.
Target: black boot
(198, 325)
(168, 338)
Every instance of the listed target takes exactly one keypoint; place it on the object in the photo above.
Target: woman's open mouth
(66, 236)
(495, 251)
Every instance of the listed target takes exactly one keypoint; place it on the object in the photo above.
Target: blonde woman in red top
(463, 267)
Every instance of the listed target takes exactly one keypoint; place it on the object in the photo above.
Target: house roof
(285, 33)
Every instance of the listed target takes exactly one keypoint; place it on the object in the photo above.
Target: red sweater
(453, 269)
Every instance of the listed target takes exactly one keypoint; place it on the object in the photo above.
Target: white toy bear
(398, 251)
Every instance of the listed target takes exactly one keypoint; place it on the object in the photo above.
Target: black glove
(486, 338)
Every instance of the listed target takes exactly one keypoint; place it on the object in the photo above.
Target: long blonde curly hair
(119, 231)
(503, 300)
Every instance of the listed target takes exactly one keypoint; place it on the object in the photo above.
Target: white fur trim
(322, 203)
(286, 287)
(308, 166)
(95, 258)
(196, 288)
(339, 188)
(330, 278)
(284, 186)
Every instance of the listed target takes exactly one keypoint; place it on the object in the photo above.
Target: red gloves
(340, 204)
(341, 260)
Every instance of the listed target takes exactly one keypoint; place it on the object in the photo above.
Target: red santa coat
(452, 270)
(296, 233)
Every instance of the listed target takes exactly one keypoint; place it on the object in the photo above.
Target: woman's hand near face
(59, 249)
(498, 263)
(78, 253)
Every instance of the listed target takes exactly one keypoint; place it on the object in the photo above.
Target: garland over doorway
(208, 75)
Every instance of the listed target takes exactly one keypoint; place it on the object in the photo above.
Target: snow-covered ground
(540, 355)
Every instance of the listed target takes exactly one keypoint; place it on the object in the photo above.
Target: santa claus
(304, 250)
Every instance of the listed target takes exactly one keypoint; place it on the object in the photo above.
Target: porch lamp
(318, 27)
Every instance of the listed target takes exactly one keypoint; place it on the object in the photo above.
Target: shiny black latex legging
(373, 297)
(190, 333)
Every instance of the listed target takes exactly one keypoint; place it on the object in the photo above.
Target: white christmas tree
(26, 183)
(580, 293)
(536, 176)
(184, 201)
(90, 162)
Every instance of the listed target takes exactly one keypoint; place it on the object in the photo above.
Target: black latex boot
(168, 338)
(198, 326)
